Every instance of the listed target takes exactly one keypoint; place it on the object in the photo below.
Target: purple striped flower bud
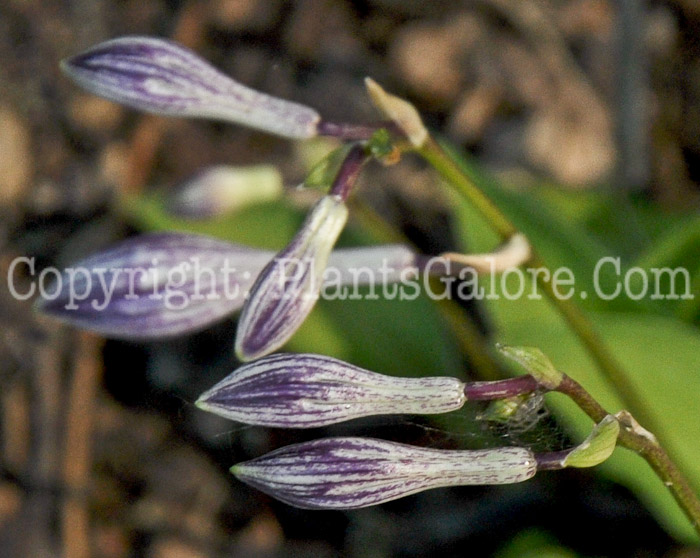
(347, 473)
(169, 284)
(155, 285)
(306, 391)
(288, 287)
(159, 76)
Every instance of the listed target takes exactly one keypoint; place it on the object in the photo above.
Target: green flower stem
(433, 152)
(633, 437)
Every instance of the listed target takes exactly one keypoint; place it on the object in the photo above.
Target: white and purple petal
(162, 77)
(167, 284)
(155, 285)
(287, 289)
(347, 473)
(307, 391)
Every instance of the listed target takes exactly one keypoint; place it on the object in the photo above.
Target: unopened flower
(167, 284)
(155, 285)
(288, 287)
(306, 390)
(346, 473)
(162, 77)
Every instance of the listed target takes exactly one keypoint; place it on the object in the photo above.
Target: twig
(78, 442)
(632, 436)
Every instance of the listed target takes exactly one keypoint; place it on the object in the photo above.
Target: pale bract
(354, 472)
(162, 77)
(289, 286)
(307, 391)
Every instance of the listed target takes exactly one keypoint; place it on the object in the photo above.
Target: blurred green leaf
(677, 250)
(661, 355)
(323, 173)
(399, 337)
(267, 225)
(561, 241)
(534, 543)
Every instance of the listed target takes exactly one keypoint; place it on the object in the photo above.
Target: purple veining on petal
(139, 289)
(103, 300)
(160, 76)
(306, 391)
(347, 473)
(287, 289)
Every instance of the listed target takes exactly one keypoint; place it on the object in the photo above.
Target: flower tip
(246, 349)
(65, 65)
(201, 403)
(236, 470)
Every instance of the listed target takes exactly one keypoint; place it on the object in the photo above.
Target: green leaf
(267, 225)
(534, 543)
(675, 254)
(322, 174)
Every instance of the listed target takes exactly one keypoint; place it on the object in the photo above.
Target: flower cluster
(276, 292)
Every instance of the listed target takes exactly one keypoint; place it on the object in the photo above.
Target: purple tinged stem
(500, 389)
(349, 172)
(552, 460)
(354, 132)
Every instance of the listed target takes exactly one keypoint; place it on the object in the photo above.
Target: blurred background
(587, 109)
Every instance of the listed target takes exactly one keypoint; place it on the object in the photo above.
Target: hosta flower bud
(305, 391)
(346, 473)
(288, 287)
(155, 285)
(169, 284)
(162, 77)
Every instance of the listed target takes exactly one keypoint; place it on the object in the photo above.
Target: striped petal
(159, 76)
(306, 391)
(347, 473)
(167, 284)
(156, 285)
(287, 289)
